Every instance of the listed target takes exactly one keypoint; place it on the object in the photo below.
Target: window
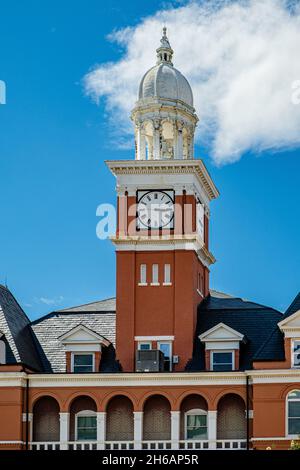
(221, 361)
(200, 284)
(143, 275)
(145, 346)
(196, 424)
(293, 405)
(167, 279)
(86, 426)
(83, 363)
(296, 354)
(166, 348)
(2, 352)
(155, 274)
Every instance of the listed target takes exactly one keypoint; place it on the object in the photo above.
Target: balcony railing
(224, 444)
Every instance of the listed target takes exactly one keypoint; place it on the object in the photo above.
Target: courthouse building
(169, 363)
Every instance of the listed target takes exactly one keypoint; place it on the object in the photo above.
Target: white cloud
(49, 301)
(241, 59)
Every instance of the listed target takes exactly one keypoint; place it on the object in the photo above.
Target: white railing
(224, 444)
(156, 445)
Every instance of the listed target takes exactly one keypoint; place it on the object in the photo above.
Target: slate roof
(15, 327)
(50, 328)
(37, 344)
(255, 321)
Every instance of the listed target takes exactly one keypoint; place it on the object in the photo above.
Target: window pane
(167, 273)
(155, 273)
(294, 409)
(83, 359)
(144, 346)
(86, 428)
(294, 394)
(143, 279)
(294, 426)
(165, 349)
(297, 346)
(222, 358)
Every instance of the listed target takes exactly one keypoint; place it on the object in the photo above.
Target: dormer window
(222, 361)
(222, 348)
(83, 348)
(83, 363)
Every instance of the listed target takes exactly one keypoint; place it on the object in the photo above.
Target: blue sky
(53, 143)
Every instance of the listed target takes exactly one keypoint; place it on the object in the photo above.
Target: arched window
(293, 410)
(196, 424)
(86, 426)
(2, 352)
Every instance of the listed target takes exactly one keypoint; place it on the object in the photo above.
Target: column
(175, 141)
(138, 429)
(156, 140)
(212, 428)
(141, 143)
(101, 430)
(180, 143)
(175, 429)
(64, 419)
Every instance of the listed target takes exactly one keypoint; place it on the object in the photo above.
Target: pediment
(291, 322)
(82, 335)
(221, 332)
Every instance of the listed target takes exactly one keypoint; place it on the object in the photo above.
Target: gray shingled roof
(15, 326)
(256, 322)
(50, 328)
(106, 305)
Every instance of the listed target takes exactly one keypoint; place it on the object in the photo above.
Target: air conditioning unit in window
(149, 360)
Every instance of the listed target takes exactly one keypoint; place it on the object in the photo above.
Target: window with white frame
(143, 275)
(167, 277)
(144, 345)
(83, 362)
(86, 426)
(166, 348)
(296, 353)
(154, 274)
(293, 411)
(2, 352)
(222, 360)
(196, 424)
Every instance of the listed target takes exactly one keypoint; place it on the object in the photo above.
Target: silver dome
(164, 81)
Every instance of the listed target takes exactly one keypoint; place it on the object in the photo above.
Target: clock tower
(161, 241)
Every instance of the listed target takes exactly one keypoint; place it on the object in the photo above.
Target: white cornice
(164, 243)
(197, 167)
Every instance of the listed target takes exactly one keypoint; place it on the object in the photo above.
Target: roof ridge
(83, 305)
(57, 313)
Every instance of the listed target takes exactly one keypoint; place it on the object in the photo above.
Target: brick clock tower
(161, 241)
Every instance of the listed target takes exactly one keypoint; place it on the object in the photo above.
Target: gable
(290, 326)
(221, 332)
(82, 335)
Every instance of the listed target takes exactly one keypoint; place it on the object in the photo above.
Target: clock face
(155, 210)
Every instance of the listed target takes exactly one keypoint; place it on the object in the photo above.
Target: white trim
(167, 283)
(84, 414)
(193, 412)
(236, 336)
(142, 284)
(95, 337)
(154, 338)
(287, 320)
(212, 352)
(155, 284)
(82, 353)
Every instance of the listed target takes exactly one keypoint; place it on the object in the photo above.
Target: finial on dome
(164, 52)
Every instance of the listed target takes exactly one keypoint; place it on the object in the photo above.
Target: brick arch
(68, 403)
(157, 418)
(120, 418)
(289, 388)
(46, 426)
(37, 396)
(231, 418)
(223, 393)
(184, 395)
(116, 393)
(142, 401)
